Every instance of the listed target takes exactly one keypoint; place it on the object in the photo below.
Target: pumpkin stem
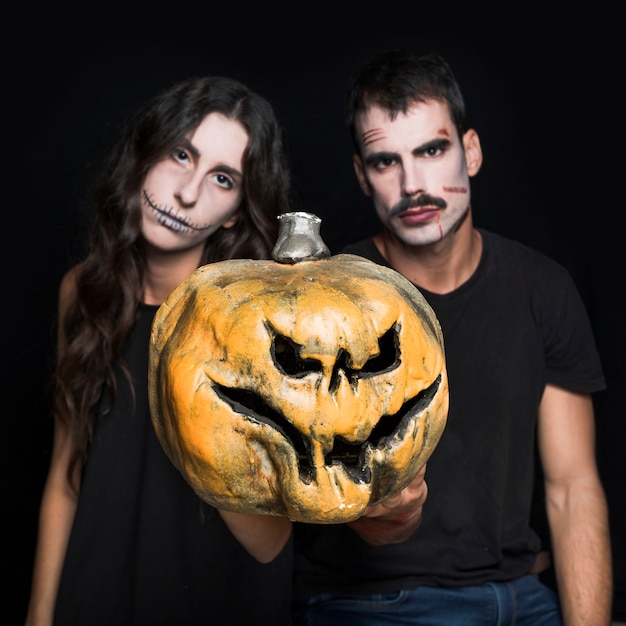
(299, 238)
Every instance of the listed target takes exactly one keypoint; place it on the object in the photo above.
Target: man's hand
(395, 519)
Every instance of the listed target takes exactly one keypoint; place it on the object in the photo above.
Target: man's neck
(440, 267)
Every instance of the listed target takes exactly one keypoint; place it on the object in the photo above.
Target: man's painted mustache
(411, 203)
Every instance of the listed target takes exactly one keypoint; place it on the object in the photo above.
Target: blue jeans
(521, 602)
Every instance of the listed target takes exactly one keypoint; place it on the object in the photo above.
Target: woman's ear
(231, 221)
(473, 152)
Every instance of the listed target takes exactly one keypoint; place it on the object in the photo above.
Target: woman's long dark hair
(111, 280)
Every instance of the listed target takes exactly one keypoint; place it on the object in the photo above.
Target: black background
(544, 99)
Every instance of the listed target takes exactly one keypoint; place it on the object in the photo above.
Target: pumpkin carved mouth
(352, 455)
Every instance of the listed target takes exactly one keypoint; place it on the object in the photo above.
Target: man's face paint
(414, 168)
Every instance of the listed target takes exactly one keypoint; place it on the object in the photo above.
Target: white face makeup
(196, 189)
(416, 171)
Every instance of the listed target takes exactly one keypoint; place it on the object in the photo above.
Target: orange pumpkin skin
(309, 390)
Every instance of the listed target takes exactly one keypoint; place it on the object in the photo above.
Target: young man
(522, 365)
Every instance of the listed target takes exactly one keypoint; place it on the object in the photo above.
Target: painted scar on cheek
(455, 189)
(369, 136)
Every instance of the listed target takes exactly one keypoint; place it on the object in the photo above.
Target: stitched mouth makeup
(168, 218)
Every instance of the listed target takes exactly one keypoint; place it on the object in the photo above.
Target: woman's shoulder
(69, 285)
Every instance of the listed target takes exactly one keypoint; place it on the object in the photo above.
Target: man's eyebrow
(375, 157)
(437, 144)
(434, 144)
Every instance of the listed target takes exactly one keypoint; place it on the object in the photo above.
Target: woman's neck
(165, 271)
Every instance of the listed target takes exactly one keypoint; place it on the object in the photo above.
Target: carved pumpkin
(311, 387)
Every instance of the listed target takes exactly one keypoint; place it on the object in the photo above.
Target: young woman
(198, 175)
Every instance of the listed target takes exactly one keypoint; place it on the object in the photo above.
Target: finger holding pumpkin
(310, 388)
(397, 517)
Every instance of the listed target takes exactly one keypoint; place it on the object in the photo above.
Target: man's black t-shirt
(516, 325)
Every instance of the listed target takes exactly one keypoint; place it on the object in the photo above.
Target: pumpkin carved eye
(287, 359)
(308, 387)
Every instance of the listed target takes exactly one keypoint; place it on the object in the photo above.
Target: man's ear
(473, 152)
(360, 174)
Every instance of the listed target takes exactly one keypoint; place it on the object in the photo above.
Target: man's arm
(395, 519)
(576, 507)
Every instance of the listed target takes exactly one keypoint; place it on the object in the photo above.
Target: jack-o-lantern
(309, 386)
